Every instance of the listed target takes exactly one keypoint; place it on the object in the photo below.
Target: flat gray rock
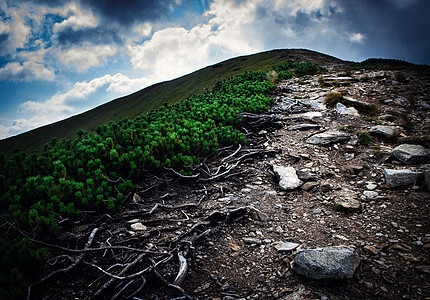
(411, 154)
(383, 130)
(288, 179)
(338, 262)
(353, 101)
(304, 127)
(330, 137)
(395, 178)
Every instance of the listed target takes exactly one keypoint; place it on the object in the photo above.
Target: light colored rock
(411, 154)
(370, 194)
(304, 127)
(318, 104)
(343, 110)
(371, 186)
(341, 78)
(395, 178)
(347, 203)
(330, 137)
(285, 246)
(338, 262)
(288, 179)
(383, 130)
(311, 115)
(138, 226)
(252, 241)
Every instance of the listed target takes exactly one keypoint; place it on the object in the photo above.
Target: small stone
(370, 194)
(288, 179)
(394, 224)
(252, 241)
(306, 175)
(138, 226)
(371, 186)
(285, 246)
(329, 137)
(368, 285)
(136, 198)
(309, 185)
(347, 203)
(419, 243)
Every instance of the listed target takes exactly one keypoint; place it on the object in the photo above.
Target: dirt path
(238, 258)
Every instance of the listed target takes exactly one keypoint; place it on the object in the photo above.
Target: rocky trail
(339, 180)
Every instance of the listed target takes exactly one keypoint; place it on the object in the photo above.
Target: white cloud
(79, 18)
(123, 85)
(86, 57)
(143, 30)
(21, 125)
(175, 51)
(26, 71)
(62, 103)
(16, 26)
(292, 7)
(357, 38)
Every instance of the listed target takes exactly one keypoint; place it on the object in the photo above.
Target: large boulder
(395, 178)
(330, 137)
(411, 154)
(338, 262)
(288, 179)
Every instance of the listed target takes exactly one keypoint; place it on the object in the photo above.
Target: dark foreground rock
(411, 154)
(395, 178)
(326, 263)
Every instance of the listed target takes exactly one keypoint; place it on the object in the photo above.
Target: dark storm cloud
(3, 40)
(4, 43)
(98, 35)
(127, 12)
(397, 29)
(122, 12)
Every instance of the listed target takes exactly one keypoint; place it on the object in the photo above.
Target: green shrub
(364, 138)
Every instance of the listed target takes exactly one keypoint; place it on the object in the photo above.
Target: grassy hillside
(166, 92)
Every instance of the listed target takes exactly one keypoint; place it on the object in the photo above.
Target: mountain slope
(166, 92)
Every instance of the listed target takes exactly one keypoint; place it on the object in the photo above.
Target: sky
(59, 58)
